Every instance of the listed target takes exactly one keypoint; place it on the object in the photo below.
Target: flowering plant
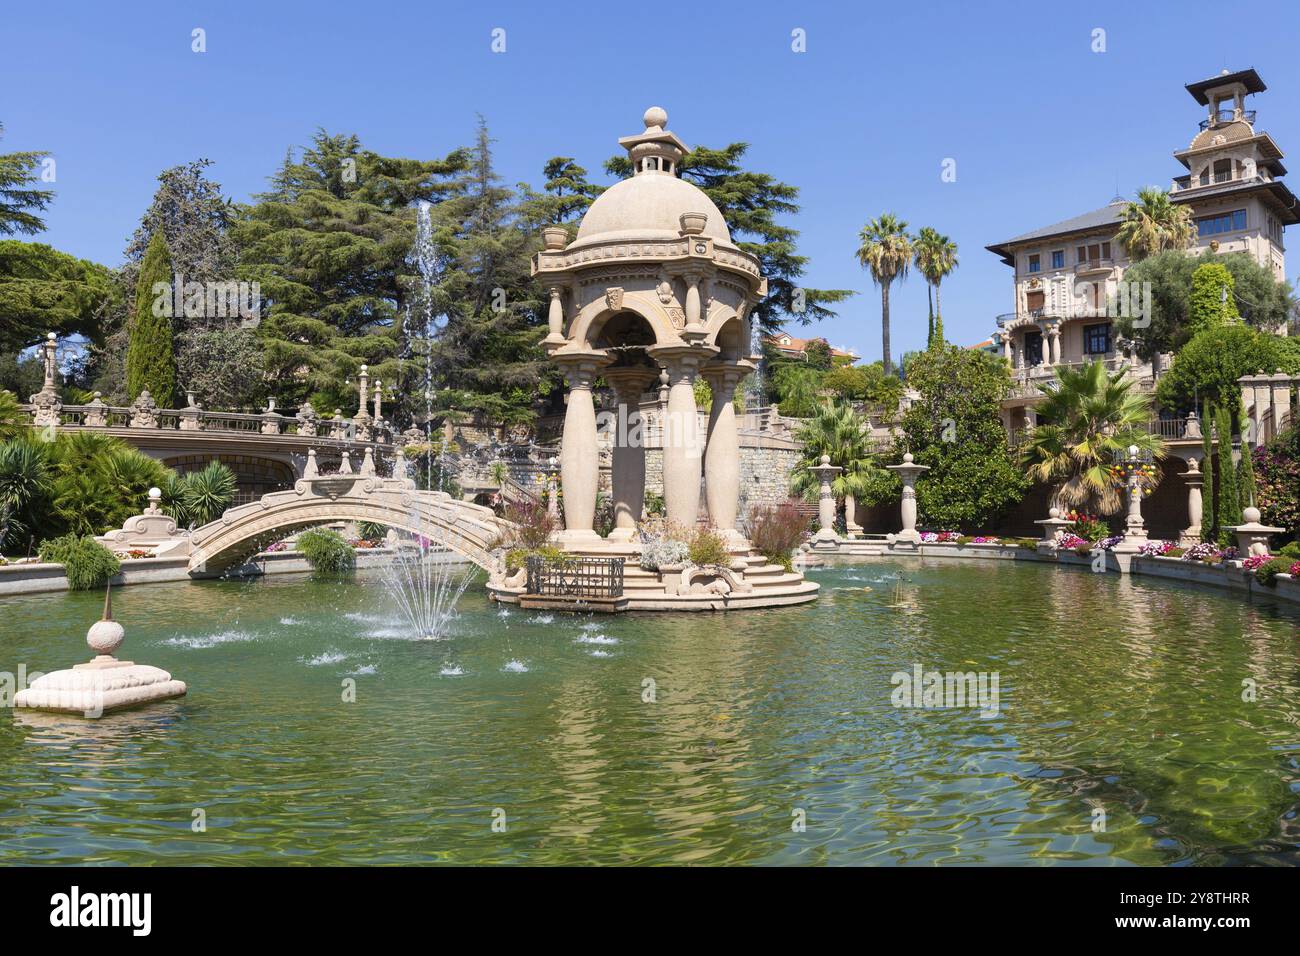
(1155, 549)
(1201, 552)
(1087, 526)
(1108, 544)
(277, 546)
(1255, 560)
(1070, 540)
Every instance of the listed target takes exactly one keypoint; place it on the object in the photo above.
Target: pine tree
(149, 360)
(19, 202)
(1229, 510)
(329, 245)
(1209, 504)
(488, 356)
(566, 194)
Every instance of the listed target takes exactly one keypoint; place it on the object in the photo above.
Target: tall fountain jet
(426, 578)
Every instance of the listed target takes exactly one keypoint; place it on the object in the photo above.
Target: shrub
(708, 547)
(776, 531)
(517, 558)
(1290, 550)
(664, 552)
(370, 531)
(1175, 552)
(1267, 572)
(326, 551)
(1029, 544)
(86, 562)
(534, 524)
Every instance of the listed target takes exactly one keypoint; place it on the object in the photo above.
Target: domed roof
(650, 203)
(649, 206)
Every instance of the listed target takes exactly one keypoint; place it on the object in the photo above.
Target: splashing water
(427, 582)
(426, 577)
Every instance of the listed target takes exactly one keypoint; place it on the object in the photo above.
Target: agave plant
(1088, 419)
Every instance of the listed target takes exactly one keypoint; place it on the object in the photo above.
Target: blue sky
(1040, 126)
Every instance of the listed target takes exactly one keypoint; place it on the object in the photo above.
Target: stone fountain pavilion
(654, 289)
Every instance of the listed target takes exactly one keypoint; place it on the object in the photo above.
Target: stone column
(1054, 345)
(683, 450)
(1281, 401)
(628, 466)
(722, 450)
(555, 316)
(579, 455)
(1006, 347)
(47, 402)
(362, 418)
(1263, 405)
(1247, 384)
(908, 472)
(825, 473)
(1195, 479)
(851, 527)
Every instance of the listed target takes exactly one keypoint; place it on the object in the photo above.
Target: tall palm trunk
(938, 316)
(929, 298)
(884, 326)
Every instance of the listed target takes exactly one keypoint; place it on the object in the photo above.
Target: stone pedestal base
(578, 537)
(99, 687)
(825, 540)
(905, 540)
(622, 534)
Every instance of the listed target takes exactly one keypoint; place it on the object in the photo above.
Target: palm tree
(935, 256)
(886, 251)
(13, 420)
(26, 484)
(1088, 419)
(840, 432)
(1153, 224)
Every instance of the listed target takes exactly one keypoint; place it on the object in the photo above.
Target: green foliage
(935, 256)
(224, 368)
(150, 363)
(1211, 304)
(200, 496)
(1228, 510)
(328, 552)
(817, 353)
(956, 430)
(20, 198)
(1209, 365)
(1209, 513)
(750, 203)
(1263, 301)
(86, 562)
(1267, 572)
(708, 547)
(371, 531)
(26, 485)
(1088, 418)
(837, 431)
(43, 290)
(654, 504)
(1154, 223)
(885, 251)
(865, 383)
(1276, 468)
(1290, 550)
(797, 385)
(13, 420)
(517, 558)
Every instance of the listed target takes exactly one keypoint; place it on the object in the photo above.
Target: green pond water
(760, 721)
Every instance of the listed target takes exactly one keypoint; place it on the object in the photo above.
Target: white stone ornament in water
(103, 684)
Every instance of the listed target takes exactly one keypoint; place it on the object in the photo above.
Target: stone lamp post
(1195, 478)
(1052, 527)
(104, 683)
(1252, 537)
(825, 537)
(909, 538)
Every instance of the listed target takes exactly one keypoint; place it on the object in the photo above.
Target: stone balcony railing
(47, 411)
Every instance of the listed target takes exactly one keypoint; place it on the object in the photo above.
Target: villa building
(1067, 276)
(796, 348)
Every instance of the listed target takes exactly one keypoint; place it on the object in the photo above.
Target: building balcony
(1094, 265)
(1185, 183)
(1223, 117)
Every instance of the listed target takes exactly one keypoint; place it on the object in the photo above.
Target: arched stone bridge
(469, 530)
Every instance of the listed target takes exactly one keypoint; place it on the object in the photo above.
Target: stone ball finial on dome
(656, 117)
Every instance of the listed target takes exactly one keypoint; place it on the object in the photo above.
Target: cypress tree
(1229, 504)
(150, 362)
(1245, 472)
(1209, 527)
